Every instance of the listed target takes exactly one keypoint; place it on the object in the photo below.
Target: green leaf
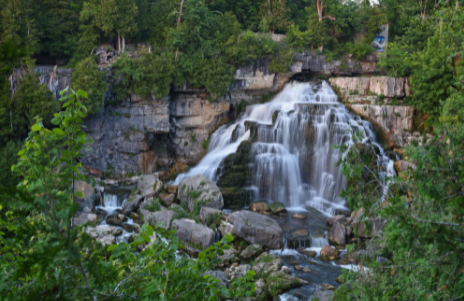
(36, 127)
(112, 247)
(82, 93)
(79, 194)
(58, 131)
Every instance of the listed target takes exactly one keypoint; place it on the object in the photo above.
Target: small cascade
(292, 158)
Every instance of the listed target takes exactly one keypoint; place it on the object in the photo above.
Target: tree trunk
(123, 44)
(180, 13)
(320, 7)
(119, 43)
(269, 11)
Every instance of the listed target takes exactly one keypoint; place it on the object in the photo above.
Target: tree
(275, 13)
(87, 75)
(125, 23)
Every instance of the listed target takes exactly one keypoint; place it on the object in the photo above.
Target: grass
(154, 205)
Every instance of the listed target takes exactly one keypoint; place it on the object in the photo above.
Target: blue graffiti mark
(379, 43)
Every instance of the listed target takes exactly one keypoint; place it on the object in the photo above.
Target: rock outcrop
(195, 236)
(255, 228)
(200, 190)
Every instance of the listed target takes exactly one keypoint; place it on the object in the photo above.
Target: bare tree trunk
(269, 11)
(320, 7)
(119, 43)
(123, 44)
(180, 13)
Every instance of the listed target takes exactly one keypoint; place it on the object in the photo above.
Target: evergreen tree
(275, 14)
(125, 23)
(87, 75)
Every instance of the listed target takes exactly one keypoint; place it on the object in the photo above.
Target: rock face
(256, 228)
(200, 190)
(373, 98)
(125, 135)
(196, 237)
(87, 202)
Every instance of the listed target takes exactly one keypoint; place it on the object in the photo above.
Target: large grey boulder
(200, 190)
(337, 234)
(164, 215)
(195, 236)
(337, 218)
(218, 275)
(149, 186)
(251, 251)
(84, 218)
(104, 234)
(255, 228)
(132, 204)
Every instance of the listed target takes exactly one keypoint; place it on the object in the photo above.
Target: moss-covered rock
(277, 208)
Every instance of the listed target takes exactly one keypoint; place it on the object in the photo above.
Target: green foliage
(43, 254)
(274, 13)
(8, 156)
(32, 99)
(424, 208)
(150, 74)
(86, 75)
(359, 50)
(154, 205)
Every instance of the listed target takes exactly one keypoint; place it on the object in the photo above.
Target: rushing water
(293, 160)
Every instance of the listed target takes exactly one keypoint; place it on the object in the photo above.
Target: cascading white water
(293, 160)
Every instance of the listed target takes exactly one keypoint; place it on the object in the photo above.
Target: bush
(359, 50)
(87, 76)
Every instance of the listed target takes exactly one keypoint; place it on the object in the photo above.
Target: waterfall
(293, 160)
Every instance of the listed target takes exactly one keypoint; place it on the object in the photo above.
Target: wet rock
(337, 234)
(104, 234)
(337, 218)
(256, 228)
(299, 238)
(328, 253)
(260, 207)
(306, 270)
(323, 295)
(298, 268)
(131, 228)
(164, 216)
(277, 208)
(149, 186)
(309, 253)
(201, 191)
(84, 218)
(132, 204)
(218, 275)
(328, 287)
(171, 189)
(286, 270)
(278, 282)
(251, 251)
(299, 216)
(195, 236)
(210, 216)
(167, 199)
(116, 219)
(226, 229)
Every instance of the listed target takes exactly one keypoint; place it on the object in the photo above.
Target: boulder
(277, 208)
(256, 228)
(239, 271)
(131, 228)
(328, 253)
(278, 282)
(149, 186)
(260, 206)
(86, 203)
(218, 275)
(104, 234)
(226, 229)
(84, 218)
(171, 189)
(231, 218)
(306, 270)
(299, 238)
(266, 263)
(251, 251)
(337, 218)
(167, 199)
(323, 295)
(260, 286)
(116, 219)
(132, 204)
(164, 215)
(230, 256)
(337, 234)
(309, 253)
(195, 236)
(299, 216)
(328, 287)
(210, 215)
(199, 190)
